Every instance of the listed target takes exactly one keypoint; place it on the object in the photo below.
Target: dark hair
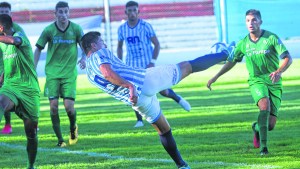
(254, 12)
(131, 3)
(61, 4)
(5, 5)
(6, 21)
(88, 39)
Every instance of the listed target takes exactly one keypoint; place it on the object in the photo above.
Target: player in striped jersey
(5, 8)
(262, 50)
(139, 37)
(138, 86)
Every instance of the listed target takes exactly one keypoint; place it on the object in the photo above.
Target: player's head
(5, 23)
(62, 11)
(5, 8)
(132, 10)
(253, 20)
(92, 42)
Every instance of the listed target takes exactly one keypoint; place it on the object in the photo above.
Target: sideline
(109, 156)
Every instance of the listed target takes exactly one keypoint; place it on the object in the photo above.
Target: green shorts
(260, 89)
(26, 100)
(60, 87)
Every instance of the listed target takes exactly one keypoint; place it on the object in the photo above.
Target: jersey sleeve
(120, 35)
(279, 46)
(43, 39)
(238, 52)
(25, 41)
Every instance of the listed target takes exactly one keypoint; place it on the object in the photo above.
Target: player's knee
(31, 133)
(271, 127)
(70, 110)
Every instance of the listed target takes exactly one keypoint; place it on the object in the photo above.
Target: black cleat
(264, 151)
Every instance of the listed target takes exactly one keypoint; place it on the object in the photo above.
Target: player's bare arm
(120, 50)
(287, 61)
(37, 54)
(10, 40)
(224, 69)
(114, 78)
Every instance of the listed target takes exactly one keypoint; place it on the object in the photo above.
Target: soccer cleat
(61, 144)
(264, 151)
(73, 136)
(184, 104)
(185, 167)
(256, 142)
(139, 124)
(7, 129)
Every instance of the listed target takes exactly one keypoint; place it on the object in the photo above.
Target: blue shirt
(138, 43)
(135, 76)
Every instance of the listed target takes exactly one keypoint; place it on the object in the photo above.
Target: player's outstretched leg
(177, 98)
(168, 141)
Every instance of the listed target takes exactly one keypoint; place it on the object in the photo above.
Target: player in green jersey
(262, 51)
(5, 8)
(20, 90)
(62, 37)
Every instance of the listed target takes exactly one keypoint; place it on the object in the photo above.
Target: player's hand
(133, 95)
(210, 82)
(275, 76)
(82, 63)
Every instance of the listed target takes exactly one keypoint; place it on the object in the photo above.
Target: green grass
(215, 134)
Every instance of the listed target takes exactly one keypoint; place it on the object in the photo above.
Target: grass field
(215, 134)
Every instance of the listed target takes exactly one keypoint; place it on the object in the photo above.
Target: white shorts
(156, 79)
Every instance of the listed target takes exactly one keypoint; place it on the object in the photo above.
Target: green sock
(72, 118)
(32, 146)
(263, 124)
(56, 126)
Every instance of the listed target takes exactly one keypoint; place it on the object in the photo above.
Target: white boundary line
(109, 156)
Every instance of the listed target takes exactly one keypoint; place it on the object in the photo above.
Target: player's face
(253, 23)
(5, 11)
(62, 14)
(100, 44)
(132, 13)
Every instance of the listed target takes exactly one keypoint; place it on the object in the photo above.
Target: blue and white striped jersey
(135, 76)
(138, 43)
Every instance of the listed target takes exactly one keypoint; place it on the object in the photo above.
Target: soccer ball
(218, 47)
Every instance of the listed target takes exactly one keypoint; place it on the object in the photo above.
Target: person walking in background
(262, 50)
(138, 86)
(139, 37)
(62, 37)
(20, 91)
(5, 8)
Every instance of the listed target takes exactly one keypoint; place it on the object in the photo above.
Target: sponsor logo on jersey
(6, 56)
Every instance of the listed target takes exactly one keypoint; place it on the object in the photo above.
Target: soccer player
(20, 90)
(139, 37)
(262, 50)
(138, 86)
(62, 37)
(5, 8)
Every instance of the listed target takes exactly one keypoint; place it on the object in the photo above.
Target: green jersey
(18, 62)
(17, 28)
(62, 49)
(262, 56)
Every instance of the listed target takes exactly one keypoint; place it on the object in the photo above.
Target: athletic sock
(206, 61)
(56, 127)
(72, 119)
(7, 116)
(170, 146)
(170, 94)
(32, 146)
(263, 124)
(138, 116)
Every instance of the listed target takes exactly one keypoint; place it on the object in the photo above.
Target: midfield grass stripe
(109, 156)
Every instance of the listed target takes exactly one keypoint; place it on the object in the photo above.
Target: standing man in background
(5, 8)
(139, 37)
(62, 37)
(262, 50)
(20, 91)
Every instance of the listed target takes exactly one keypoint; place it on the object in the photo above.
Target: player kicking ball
(138, 87)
